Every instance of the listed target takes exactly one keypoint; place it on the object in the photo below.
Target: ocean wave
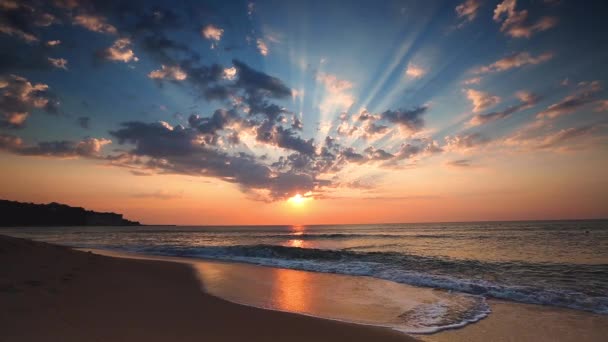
(546, 284)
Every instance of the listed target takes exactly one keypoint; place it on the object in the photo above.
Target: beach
(54, 293)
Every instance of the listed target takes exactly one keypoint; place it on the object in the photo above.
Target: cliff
(55, 214)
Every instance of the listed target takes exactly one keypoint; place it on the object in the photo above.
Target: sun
(297, 199)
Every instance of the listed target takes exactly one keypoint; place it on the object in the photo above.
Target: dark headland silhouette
(17, 214)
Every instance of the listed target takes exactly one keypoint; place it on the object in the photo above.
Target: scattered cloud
(95, 23)
(515, 60)
(601, 106)
(516, 24)
(160, 194)
(21, 20)
(414, 71)
(60, 63)
(53, 42)
(527, 100)
(88, 148)
(465, 142)
(339, 96)
(468, 10)
(481, 100)
(120, 51)
(230, 73)
(536, 137)
(174, 73)
(212, 33)
(19, 96)
(262, 47)
(584, 95)
(472, 80)
(460, 163)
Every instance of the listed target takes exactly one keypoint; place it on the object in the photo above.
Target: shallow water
(556, 263)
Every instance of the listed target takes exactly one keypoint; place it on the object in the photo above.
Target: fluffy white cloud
(514, 22)
(95, 23)
(481, 100)
(120, 51)
(414, 71)
(169, 72)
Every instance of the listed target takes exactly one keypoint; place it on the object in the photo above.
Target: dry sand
(53, 293)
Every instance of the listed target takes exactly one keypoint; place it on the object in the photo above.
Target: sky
(306, 112)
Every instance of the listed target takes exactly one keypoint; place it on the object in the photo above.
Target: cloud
(89, 147)
(465, 142)
(20, 19)
(174, 73)
(120, 51)
(481, 100)
(229, 73)
(472, 80)
(601, 106)
(254, 81)
(53, 42)
(95, 23)
(212, 32)
(530, 138)
(571, 103)
(527, 100)
(339, 96)
(19, 96)
(410, 119)
(160, 194)
(515, 60)
(262, 47)
(515, 23)
(178, 150)
(60, 63)
(414, 71)
(468, 9)
(460, 163)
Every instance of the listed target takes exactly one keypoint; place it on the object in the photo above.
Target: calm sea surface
(556, 263)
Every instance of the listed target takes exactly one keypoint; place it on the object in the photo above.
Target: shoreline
(55, 293)
(196, 263)
(507, 321)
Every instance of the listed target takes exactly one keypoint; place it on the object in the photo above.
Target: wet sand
(514, 322)
(54, 293)
(508, 321)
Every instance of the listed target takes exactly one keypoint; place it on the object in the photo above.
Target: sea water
(456, 266)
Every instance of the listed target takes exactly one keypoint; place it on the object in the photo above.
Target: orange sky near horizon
(531, 188)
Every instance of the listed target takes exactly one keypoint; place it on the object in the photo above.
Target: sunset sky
(220, 112)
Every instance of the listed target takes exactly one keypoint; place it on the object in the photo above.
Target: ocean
(554, 263)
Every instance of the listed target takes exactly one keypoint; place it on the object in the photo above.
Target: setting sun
(297, 199)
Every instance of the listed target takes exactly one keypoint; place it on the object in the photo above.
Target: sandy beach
(54, 293)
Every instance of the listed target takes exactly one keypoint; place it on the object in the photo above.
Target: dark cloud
(585, 94)
(459, 163)
(410, 119)
(284, 138)
(19, 19)
(256, 82)
(178, 150)
(89, 147)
